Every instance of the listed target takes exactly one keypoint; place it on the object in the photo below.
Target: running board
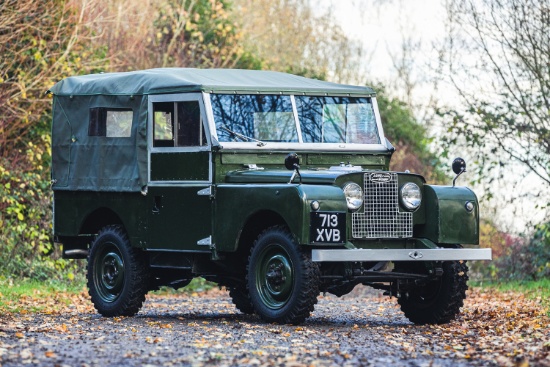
(441, 254)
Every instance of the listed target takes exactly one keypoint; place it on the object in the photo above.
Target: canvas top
(174, 80)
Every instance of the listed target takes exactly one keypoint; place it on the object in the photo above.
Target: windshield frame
(300, 145)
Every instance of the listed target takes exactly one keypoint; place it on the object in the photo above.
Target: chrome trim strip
(296, 121)
(332, 147)
(76, 252)
(440, 254)
(378, 118)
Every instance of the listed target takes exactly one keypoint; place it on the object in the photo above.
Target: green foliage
(518, 258)
(410, 138)
(539, 250)
(534, 289)
(26, 217)
(39, 45)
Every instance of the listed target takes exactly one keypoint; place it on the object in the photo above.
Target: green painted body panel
(358, 159)
(447, 220)
(178, 217)
(73, 208)
(282, 176)
(180, 166)
(235, 204)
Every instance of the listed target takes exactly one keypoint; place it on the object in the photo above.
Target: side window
(178, 124)
(163, 124)
(110, 122)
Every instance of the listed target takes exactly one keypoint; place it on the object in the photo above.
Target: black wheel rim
(274, 276)
(109, 273)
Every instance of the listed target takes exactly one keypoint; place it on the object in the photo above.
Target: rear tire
(118, 274)
(283, 282)
(439, 301)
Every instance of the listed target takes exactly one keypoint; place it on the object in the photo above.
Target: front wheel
(241, 299)
(439, 301)
(282, 281)
(118, 275)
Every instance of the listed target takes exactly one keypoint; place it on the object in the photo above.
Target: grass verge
(538, 290)
(27, 295)
(54, 296)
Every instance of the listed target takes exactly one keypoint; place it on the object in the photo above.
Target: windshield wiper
(244, 137)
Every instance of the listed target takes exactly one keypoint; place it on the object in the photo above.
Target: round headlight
(411, 197)
(354, 195)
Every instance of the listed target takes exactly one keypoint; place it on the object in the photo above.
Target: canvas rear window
(110, 122)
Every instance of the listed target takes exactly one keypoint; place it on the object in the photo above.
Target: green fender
(237, 204)
(447, 219)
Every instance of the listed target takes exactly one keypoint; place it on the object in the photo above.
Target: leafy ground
(44, 327)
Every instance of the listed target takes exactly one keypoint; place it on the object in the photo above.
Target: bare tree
(500, 64)
(298, 37)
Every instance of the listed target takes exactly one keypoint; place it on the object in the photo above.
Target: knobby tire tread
(449, 302)
(139, 272)
(307, 297)
(241, 299)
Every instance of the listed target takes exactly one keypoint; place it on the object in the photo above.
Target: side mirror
(292, 162)
(459, 167)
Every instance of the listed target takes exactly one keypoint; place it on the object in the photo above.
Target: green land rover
(274, 186)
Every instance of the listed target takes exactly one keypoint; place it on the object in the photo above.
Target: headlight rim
(407, 205)
(353, 207)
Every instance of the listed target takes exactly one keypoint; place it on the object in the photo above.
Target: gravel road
(363, 328)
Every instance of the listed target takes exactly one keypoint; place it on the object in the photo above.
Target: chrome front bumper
(440, 254)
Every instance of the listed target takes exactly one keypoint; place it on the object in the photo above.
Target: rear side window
(110, 122)
(178, 124)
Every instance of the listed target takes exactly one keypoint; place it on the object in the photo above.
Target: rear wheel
(118, 275)
(439, 301)
(283, 282)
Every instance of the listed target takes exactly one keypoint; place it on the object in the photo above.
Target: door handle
(157, 204)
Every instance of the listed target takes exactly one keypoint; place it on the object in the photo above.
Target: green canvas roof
(173, 80)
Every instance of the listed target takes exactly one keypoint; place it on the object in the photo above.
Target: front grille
(380, 217)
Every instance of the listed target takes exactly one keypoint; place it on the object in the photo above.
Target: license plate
(328, 227)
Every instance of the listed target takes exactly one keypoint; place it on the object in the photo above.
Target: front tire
(241, 299)
(439, 301)
(283, 282)
(117, 274)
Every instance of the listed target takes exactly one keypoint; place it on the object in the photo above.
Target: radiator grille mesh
(381, 217)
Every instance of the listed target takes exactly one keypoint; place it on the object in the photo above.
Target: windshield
(337, 120)
(270, 118)
(257, 117)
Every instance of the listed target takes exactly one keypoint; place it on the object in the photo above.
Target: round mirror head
(459, 165)
(291, 160)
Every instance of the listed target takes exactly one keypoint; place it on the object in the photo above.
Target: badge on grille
(380, 177)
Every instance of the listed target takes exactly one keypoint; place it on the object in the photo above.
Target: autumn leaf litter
(363, 328)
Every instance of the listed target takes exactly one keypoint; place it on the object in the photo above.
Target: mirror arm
(461, 172)
(296, 172)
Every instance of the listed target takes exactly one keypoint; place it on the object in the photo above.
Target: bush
(517, 258)
(26, 217)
